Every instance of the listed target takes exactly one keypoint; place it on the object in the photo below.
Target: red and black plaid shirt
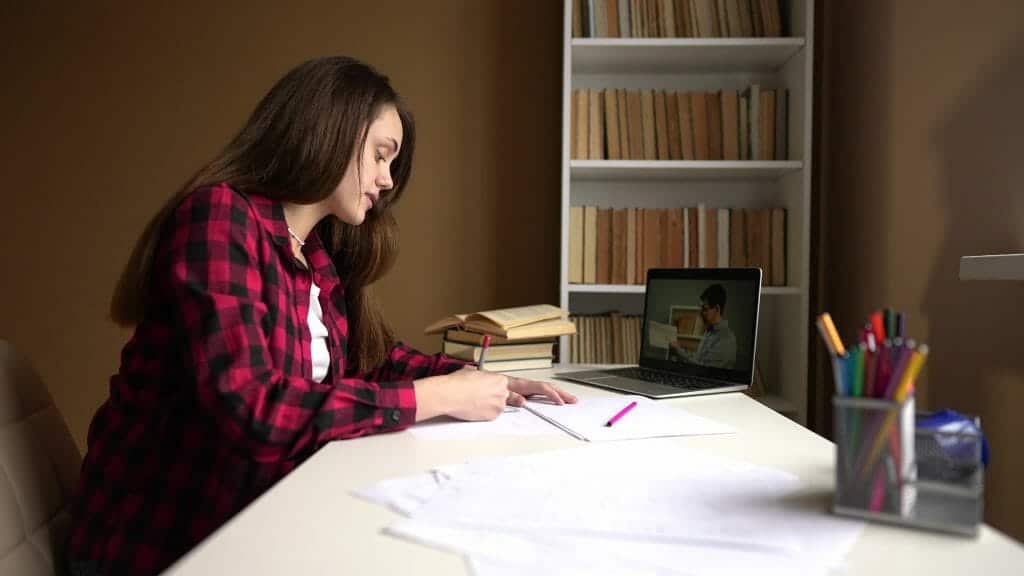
(215, 401)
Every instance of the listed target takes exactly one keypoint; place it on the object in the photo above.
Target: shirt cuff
(398, 405)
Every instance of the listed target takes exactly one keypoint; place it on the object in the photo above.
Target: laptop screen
(702, 322)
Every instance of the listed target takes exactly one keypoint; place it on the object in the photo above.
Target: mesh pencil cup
(875, 465)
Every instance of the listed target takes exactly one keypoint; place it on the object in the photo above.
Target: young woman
(255, 342)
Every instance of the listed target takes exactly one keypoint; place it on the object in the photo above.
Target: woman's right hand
(467, 394)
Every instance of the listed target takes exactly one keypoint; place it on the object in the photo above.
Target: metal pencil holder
(888, 471)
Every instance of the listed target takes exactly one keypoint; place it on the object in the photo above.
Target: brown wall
(922, 134)
(108, 107)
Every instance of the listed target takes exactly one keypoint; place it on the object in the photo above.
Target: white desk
(310, 524)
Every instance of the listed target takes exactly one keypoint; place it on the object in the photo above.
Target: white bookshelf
(691, 64)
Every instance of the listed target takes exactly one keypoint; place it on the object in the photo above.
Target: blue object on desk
(955, 438)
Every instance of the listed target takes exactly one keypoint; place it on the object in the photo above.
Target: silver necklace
(296, 237)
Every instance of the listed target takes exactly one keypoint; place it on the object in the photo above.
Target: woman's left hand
(520, 388)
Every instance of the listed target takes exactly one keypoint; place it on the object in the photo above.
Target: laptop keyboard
(666, 378)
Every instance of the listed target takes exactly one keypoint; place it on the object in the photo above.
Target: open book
(541, 320)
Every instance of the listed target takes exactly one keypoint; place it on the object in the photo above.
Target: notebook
(699, 335)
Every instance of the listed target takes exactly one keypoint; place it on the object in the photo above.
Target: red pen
(878, 327)
(621, 413)
(483, 352)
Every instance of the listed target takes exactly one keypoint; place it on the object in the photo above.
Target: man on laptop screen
(717, 348)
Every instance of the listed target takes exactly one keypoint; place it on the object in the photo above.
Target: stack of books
(521, 338)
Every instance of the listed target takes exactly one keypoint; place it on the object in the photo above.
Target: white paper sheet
(512, 422)
(662, 506)
(636, 490)
(497, 553)
(584, 420)
(587, 418)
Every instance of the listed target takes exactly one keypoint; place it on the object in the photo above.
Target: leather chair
(39, 465)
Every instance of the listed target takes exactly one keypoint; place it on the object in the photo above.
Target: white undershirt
(318, 347)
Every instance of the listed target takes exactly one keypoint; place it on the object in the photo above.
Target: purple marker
(905, 352)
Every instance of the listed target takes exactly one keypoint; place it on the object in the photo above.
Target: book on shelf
(629, 241)
(611, 122)
(676, 18)
(596, 128)
(727, 124)
(590, 246)
(611, 338)
(684, 110)
(604, 245)
(661, 125)
(618, 245)
(540, 320)
(576, 244)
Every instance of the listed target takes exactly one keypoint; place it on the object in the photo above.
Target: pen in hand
(483, 352)
(621, 413)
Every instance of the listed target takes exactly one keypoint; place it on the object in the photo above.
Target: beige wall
(108, 106)
(923, 165)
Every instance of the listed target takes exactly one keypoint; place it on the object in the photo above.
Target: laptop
(699, 335)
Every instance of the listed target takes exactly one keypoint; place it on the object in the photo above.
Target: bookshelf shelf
(681, 55)
(639, 289)
(682, 169)
(992, 267)
(604, 195)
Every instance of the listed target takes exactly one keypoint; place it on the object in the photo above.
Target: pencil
(483, 352)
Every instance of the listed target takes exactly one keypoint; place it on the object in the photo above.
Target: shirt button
(395, 416)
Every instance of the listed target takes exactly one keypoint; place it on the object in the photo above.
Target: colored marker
(877, 326)
(833, 334)
(857, 370)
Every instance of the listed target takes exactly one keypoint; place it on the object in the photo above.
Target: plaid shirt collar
(270, 214)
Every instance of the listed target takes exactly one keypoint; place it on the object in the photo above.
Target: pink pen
(621, 413)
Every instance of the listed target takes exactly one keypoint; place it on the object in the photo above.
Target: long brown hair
(296, 147)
